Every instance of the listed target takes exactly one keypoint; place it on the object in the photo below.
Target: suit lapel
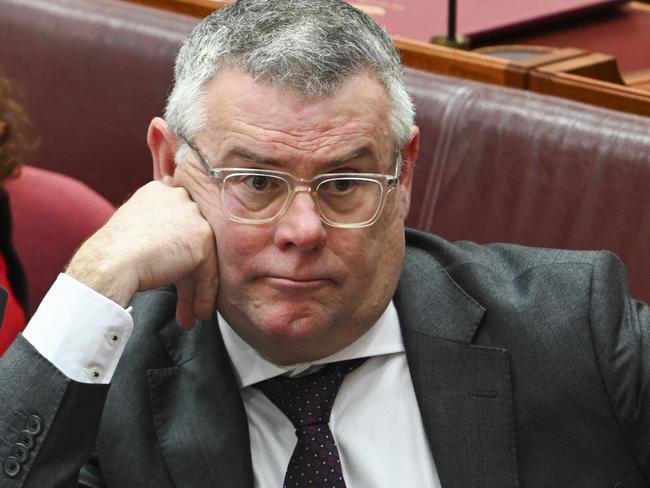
(198, 413)
(463, 391)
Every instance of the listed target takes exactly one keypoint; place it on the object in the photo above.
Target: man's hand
(157, 237)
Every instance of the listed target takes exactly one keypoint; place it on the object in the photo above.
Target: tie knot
(307, 400)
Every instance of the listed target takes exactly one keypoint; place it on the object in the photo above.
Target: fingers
(206, 284)
(197, 293)
(185, 317)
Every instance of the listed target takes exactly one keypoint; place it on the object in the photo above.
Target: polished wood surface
(462, 64)
(638, 79)
(563, 60)
(532, 56)
(587, 90)
(596, 66)
(197, 8)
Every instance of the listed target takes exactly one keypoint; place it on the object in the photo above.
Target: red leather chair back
(52, 215)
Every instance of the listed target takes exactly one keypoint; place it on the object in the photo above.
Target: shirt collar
(250, 367)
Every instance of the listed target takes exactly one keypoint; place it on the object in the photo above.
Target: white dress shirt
(375, 419)
(80, 331)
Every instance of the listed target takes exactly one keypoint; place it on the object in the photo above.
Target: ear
(163, 144)
(409, 153)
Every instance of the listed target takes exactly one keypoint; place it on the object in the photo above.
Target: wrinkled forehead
(279, 120)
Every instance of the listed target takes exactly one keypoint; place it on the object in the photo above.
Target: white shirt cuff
(80, 331)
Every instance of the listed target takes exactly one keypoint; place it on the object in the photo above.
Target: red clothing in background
(13, 321)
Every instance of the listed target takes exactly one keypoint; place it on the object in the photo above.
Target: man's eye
(340, 186)
(258, 182)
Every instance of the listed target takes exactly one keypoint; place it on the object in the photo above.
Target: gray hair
(313, 46)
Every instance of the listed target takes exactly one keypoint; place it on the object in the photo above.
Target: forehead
(281, 123)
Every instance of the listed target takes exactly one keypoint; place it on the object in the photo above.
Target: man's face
(297, 289)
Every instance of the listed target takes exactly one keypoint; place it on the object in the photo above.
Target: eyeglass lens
(345, 200)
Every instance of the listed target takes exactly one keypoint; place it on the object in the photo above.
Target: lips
(304, 274)
(298, 280)
(302, 271)
(299, 277)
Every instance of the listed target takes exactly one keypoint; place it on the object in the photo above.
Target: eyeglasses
(344, 200)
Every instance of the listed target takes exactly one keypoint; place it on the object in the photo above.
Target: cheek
(362, 252)
(375, 251)
(404, 203)
(388, 244)
(239, 247)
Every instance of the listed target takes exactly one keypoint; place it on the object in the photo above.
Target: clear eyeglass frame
(386, 182)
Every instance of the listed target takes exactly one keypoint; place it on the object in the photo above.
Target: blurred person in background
(17, 139)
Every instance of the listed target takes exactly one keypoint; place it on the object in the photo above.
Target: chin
(293, 334)
(293, 322)
(287, 330)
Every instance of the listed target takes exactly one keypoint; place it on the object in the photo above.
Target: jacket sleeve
(621, 333)
(48, 423)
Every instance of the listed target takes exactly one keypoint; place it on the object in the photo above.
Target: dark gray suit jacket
(530, 368)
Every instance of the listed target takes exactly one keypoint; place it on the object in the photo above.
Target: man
(283, 172)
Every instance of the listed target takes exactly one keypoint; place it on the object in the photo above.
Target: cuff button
(27, 439)
(20, 452)
(11, 467)
(114, 339)
(96, 374)
(33, 425)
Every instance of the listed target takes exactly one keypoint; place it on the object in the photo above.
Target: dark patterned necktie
(307, 401)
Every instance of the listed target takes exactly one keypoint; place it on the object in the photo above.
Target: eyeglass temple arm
(197, 153)
(398, 168)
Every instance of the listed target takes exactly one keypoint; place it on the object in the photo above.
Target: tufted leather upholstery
(495, 164)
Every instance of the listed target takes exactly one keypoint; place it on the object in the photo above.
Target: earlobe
(162, 143)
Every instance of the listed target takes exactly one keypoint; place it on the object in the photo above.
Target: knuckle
(204, 231)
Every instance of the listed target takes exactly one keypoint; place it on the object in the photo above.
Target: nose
(301, 225)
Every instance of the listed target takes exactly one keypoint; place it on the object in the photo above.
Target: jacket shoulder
(510, 278)
(504, 259)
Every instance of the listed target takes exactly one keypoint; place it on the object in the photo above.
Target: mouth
(297, 283)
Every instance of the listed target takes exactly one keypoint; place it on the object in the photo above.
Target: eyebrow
(244, 153)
